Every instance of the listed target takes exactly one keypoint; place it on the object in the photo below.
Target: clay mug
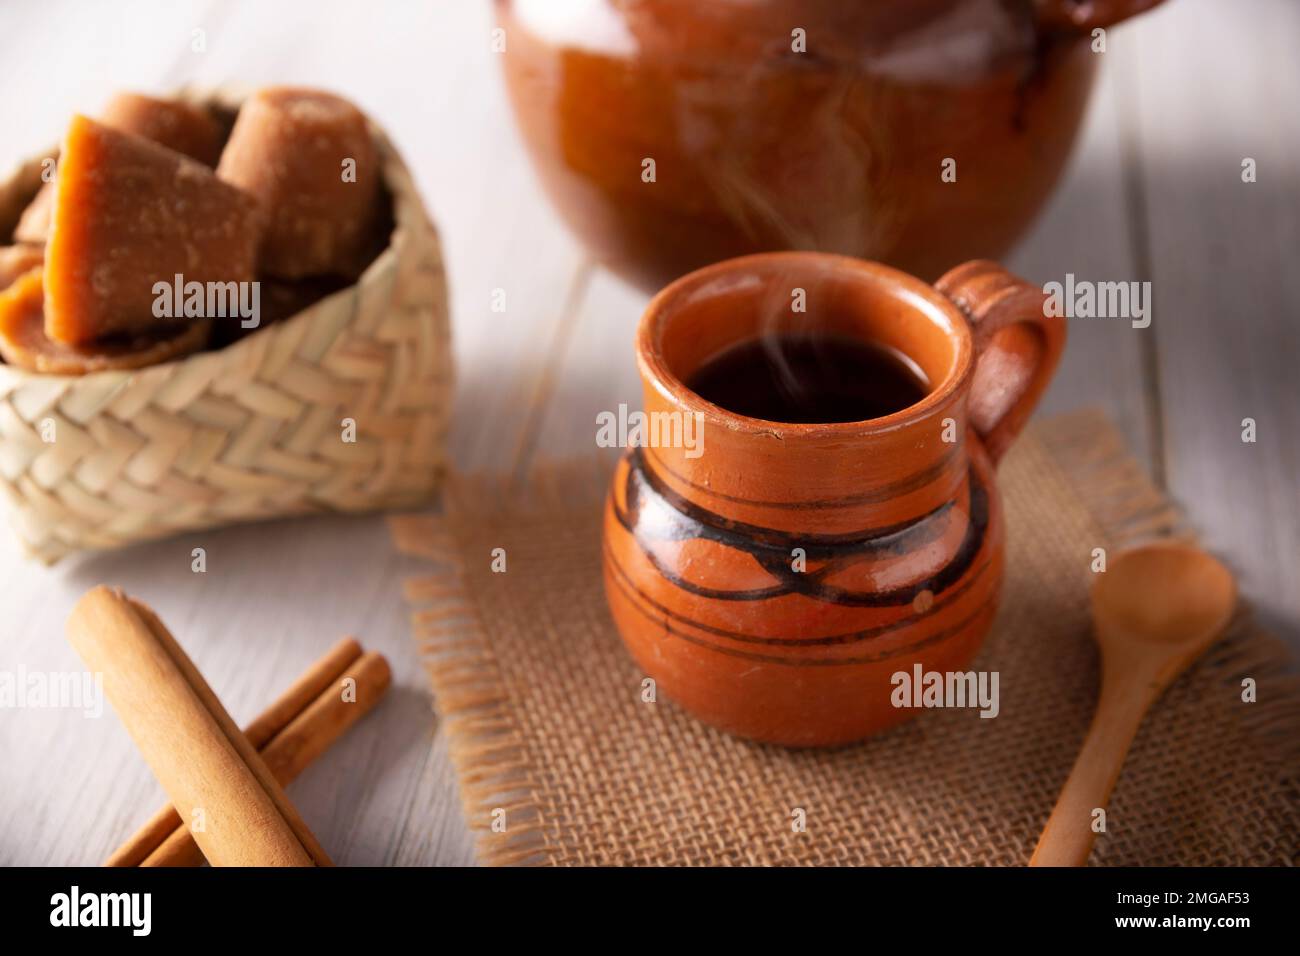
(898, 518)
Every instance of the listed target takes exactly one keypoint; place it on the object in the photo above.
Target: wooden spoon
(1158, 608)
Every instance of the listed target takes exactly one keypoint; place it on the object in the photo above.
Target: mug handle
(1088, 14)
(1017, 348)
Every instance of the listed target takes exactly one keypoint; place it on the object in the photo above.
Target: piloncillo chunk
(309, 158)
(128, 214)
(16, 261)
(178, 125)
(24, 344)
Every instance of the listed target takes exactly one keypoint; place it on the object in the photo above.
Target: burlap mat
(553, 743)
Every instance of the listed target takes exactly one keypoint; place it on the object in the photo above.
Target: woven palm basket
(255, 430)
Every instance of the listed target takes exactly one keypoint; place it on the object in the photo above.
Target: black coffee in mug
(808, 379)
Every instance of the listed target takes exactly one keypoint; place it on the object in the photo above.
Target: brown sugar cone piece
(189, 741)
(178, 125)
(17, 261)
(129, 214)
(309, 158)
(24, 344)
(34, 225)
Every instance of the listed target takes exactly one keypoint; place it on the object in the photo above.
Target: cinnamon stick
(305, 738)
(318, 679)
(198, 754)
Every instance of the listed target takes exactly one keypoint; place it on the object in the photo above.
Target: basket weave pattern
(255, 430)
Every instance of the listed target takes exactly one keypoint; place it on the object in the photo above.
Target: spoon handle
(1068, 837)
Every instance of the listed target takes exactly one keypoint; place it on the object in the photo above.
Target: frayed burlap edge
(490, 756)
(493, 767)
(487, 750)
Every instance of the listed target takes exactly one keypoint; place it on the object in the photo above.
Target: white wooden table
(1154, 193)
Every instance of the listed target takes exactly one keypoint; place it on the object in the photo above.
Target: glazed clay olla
(834, 143)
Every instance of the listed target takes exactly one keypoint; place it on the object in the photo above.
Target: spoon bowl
(1156, 609)
(1165, 594)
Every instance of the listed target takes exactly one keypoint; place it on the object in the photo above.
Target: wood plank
(598, 369)
(1086, 230)
(1215, 83)
(65, 56)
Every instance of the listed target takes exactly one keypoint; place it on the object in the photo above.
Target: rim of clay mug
(921, 297)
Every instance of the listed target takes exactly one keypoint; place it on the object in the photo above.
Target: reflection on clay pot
(674, 133)
(897, 518)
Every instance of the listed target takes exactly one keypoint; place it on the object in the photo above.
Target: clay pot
(899, 517)
(839, 147)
